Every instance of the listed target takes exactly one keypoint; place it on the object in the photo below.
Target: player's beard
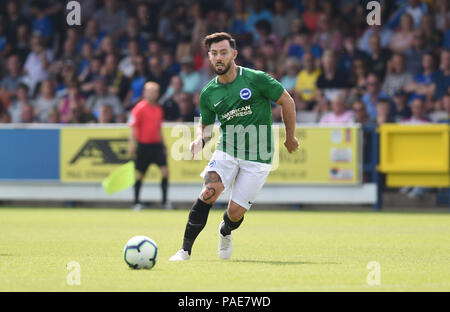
(225, 68)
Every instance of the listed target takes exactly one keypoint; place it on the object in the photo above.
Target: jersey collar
(240, 74)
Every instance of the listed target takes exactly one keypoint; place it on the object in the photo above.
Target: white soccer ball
(140, 252)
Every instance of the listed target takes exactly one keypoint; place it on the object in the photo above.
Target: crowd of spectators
(338, 68)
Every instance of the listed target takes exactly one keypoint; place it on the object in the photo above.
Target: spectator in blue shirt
(433, 36)
(191, 79)
(373, 95)
(239, 19)
(42, 24)
(416, 8)
(384, 34)
(257, 13)
(92, 35)
(415, 53)
(442, 79)
(132, 32)
(350, 53)
(422, 85)
(289, 80)
(447, 39)
(112, 17)
(137, 82)
(401, 108)
(301, 43)
(11, 81)
(5, 46)
(87, 54)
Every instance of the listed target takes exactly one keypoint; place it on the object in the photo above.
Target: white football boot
(168, 206)
(225, 245)
(181, 255)
(138, 207)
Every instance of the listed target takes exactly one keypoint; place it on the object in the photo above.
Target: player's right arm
(207, 119)
(201, 140)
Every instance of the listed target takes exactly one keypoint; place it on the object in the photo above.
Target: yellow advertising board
(326, 155)
(407, 165)
(91, 154)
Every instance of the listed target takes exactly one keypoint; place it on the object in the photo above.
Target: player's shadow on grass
(275, 262)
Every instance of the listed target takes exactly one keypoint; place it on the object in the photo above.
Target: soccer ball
(140, 252)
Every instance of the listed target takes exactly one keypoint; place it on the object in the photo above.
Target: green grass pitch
(273, 251)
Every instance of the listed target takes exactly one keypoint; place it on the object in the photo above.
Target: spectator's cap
(187, 59)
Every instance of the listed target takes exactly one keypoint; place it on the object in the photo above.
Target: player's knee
(235, 212)
(212, 177)
(211, 192)
(212, 188)
(236, 215)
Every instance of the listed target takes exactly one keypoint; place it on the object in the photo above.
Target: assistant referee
(146, 141)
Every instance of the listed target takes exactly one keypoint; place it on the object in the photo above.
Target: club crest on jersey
(245, 94)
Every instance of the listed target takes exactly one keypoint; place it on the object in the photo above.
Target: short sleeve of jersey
(207, 116)
(269, 86)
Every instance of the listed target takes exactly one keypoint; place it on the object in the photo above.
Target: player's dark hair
(217, 37)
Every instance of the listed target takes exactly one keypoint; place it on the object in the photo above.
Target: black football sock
(229, 225)
(137, 190)
(164, 184)
(196, 222)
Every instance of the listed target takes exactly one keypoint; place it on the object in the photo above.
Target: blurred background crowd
(337, 67)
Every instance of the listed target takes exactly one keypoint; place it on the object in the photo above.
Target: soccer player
(241, 99)
(146, 141)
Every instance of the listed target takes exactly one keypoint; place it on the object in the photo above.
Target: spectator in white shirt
(37, 63)
(46, 101)
(339, 114)
(100, 97)
(418, 112)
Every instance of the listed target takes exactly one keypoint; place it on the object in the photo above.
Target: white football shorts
(246, 178)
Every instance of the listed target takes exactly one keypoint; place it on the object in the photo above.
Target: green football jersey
(243, 108)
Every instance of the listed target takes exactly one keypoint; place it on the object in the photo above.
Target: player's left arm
(207, 119)
(289, 118)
